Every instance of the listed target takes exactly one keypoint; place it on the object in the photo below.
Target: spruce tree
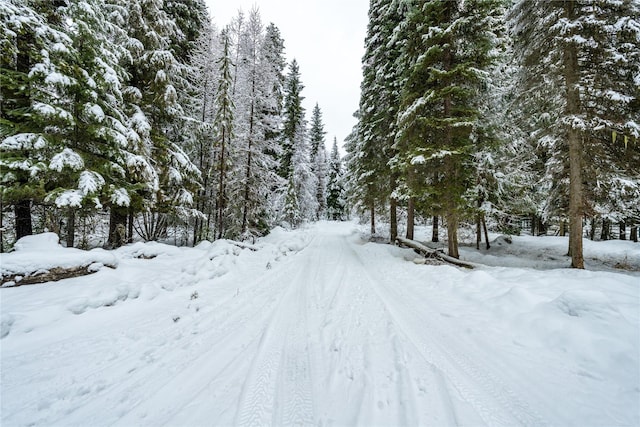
(579, 91)
(318, 158)
(445, 57)
(156, 77)
(335, 186)
(293, 114)
(224, 131)
(379, 101)
(30, 47)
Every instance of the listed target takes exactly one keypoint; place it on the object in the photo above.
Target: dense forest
(476, 110)
(143, 117)
(143, 112)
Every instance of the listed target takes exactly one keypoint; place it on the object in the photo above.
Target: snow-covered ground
(318, 326)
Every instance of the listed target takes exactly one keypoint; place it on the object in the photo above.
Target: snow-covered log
(51, 275)
(432, 253)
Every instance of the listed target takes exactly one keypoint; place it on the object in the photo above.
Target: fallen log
(432, 253)
(50, 275)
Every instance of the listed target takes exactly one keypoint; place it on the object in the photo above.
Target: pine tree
(318, 158)
(275, 64)
(29, 44)
(379, 105)
(255, 103)
(156, 77)
(304, 179)
(192, 19)
(224, 126)
(446, 55)
(335, 186)
(588, 63)
(97, 133)
(204, 78)
(293, 113)
(77, 106)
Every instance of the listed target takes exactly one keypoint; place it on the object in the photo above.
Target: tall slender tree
(379, 105)
(318, 158)
(224, 126)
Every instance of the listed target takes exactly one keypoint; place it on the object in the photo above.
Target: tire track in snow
(495, 403)
(278, 389)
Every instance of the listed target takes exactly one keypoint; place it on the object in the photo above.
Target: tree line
(145, 110)
(489, 109)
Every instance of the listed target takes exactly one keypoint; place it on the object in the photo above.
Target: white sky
(327, 39)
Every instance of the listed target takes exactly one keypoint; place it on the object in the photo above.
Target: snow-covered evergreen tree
(156, 77)
(201, 104)
(224, 132)
(579, 87)
(318, 159)
(30, 47)
(275, 64)
(254, 169)
(76, 99)
(379, 101)
(449, 49)
(335, 187)
(293, 118)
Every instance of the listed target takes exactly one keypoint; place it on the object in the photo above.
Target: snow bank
(550, 252)
(40, 253)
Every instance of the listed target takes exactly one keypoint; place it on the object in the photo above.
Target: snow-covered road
(318, 327)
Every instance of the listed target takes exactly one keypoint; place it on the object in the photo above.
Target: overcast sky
(327, 39)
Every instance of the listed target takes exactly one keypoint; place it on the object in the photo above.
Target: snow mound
(40, 253)
(105, 298)
(38, 242)
(147, 250)
(220, 257)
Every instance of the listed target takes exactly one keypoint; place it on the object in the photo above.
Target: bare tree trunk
(393, 211)
(451, 169)
(478, 232)
(373, 218)
(71, 227)
(221, 195)
(410, 219)
(434, 230)
(542, 227)
(24, 226)
(486, 233)
(634, 234)
(452, 235)
(623, 230)
(117, 229)
(534, 223)
(592, 232)
(130, 226)
(247, 183)
(574, 139)
(605, 234)
(478, 221)
(393, 218)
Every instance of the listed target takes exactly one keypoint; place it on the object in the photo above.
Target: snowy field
(320, 327)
